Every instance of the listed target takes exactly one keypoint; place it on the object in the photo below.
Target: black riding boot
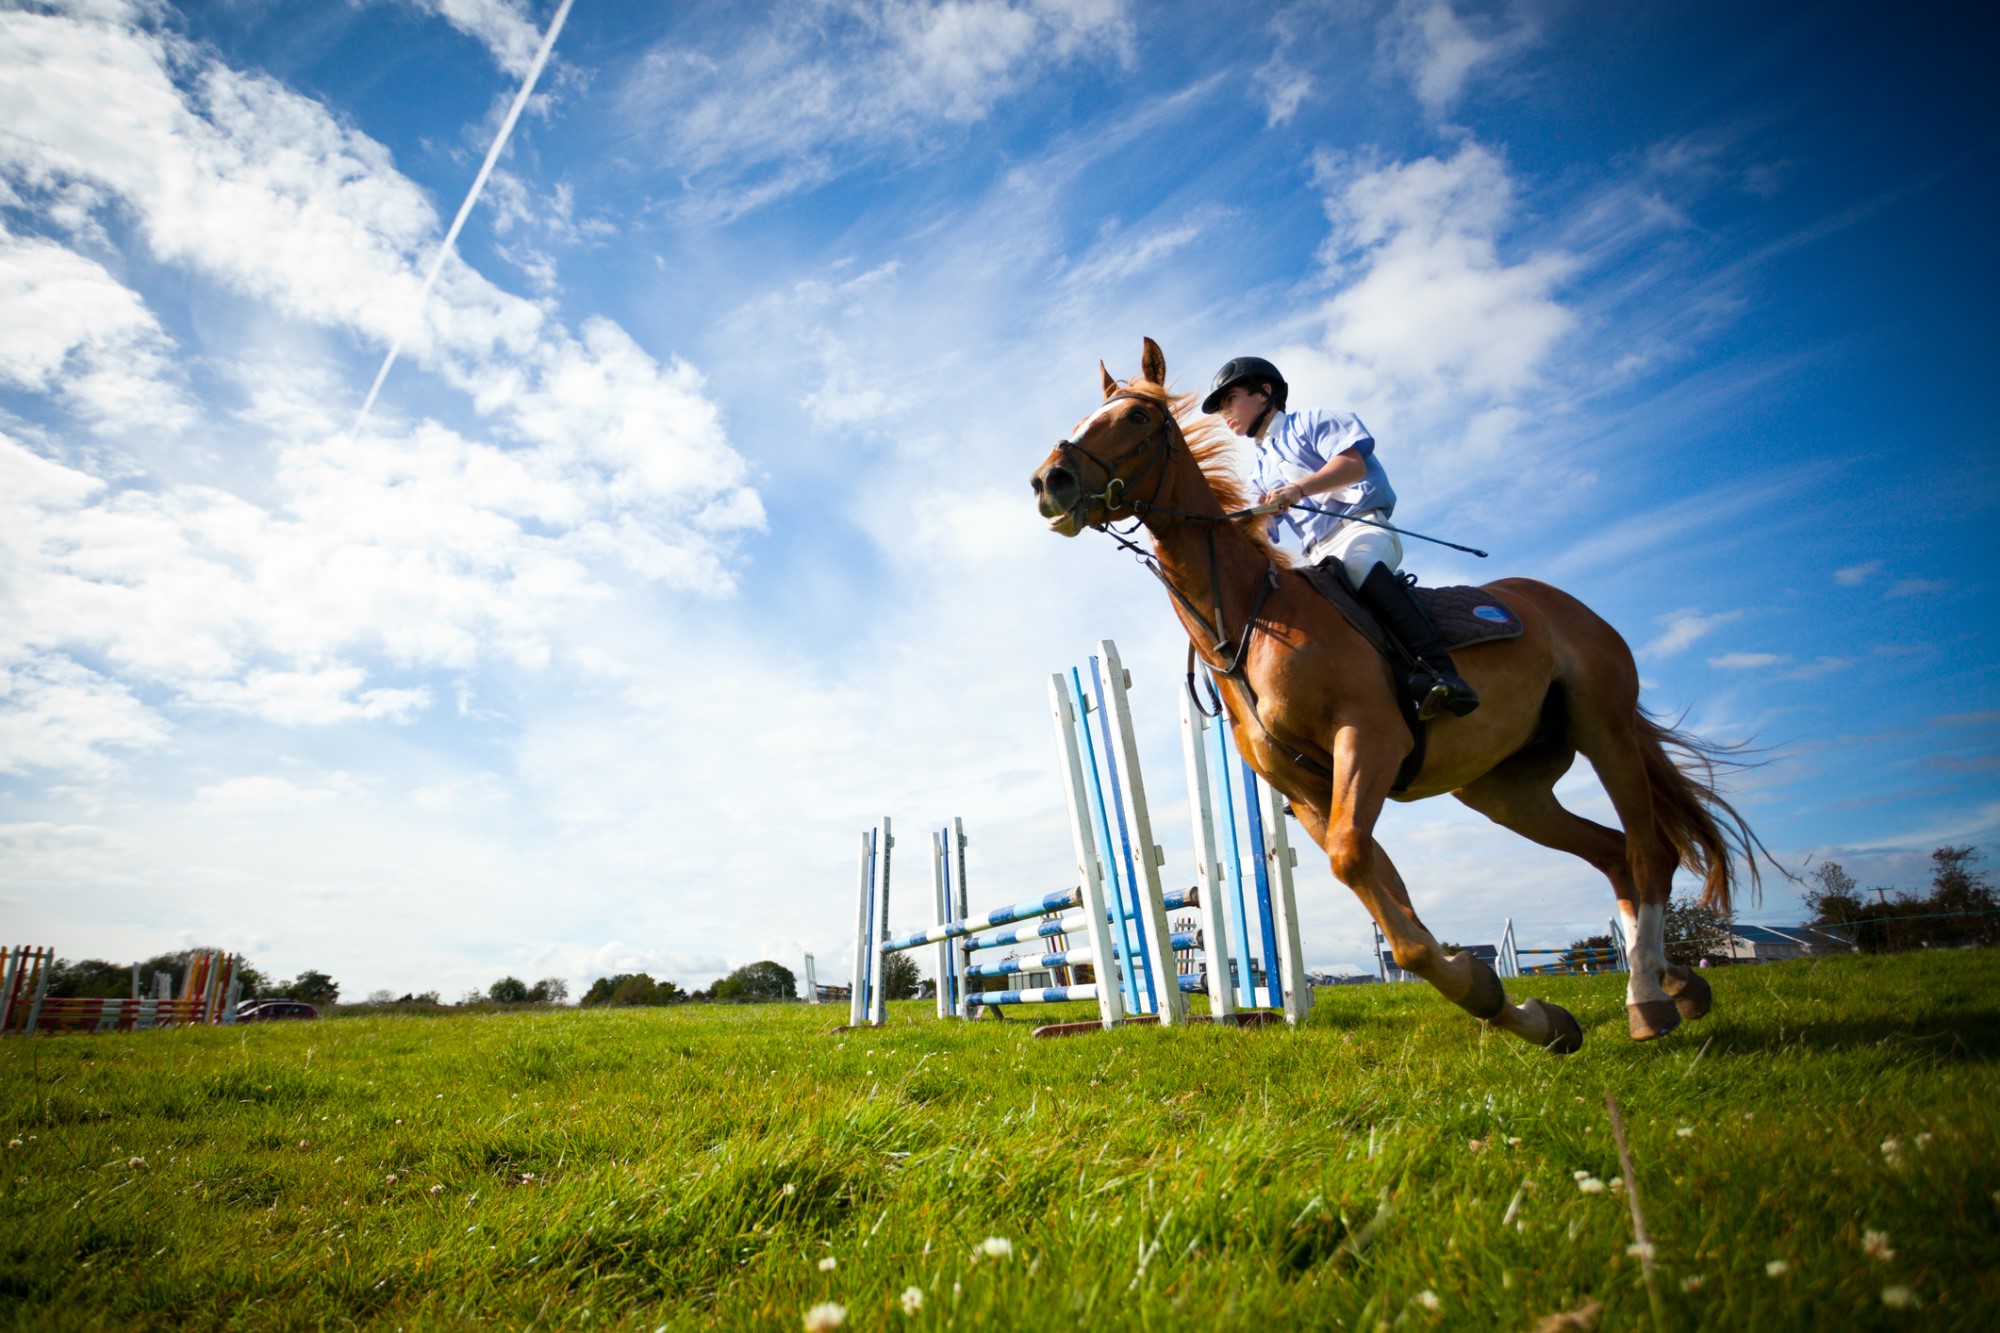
(1435, 685)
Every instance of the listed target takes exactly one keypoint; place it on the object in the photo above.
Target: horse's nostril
(1035, 485)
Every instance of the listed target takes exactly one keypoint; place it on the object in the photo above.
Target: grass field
(1390, 1165)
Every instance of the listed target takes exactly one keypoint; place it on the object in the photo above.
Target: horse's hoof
(1652, 1018)
(1487, 996)
(1565, 1034)
(1690, 991)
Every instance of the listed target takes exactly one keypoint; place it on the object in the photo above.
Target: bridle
(1225, 658)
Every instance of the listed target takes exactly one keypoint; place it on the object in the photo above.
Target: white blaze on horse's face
(1083, 426)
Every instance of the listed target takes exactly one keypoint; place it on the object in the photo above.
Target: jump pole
(1089, 869)
(1122, 749)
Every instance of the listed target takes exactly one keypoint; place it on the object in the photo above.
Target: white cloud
(819, 88)
(501, 26)
(1854, 575)
(1432, 329)
(59, 717)
(314, 697)
(411, 546)
(73, 330)
(1439, 50)
(1746, 661)
(1683, 630)
(265, 793)
(1917, 587)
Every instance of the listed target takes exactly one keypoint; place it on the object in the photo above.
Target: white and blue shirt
(1298, 444)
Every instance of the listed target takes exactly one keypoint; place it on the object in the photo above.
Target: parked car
(264, 1011)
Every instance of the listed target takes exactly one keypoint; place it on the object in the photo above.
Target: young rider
(1328, 459)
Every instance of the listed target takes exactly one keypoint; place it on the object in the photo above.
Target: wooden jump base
(208, 996)
(1128, 938)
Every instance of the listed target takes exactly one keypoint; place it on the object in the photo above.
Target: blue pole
(1254, 809)
(1219, 741)
(1096, 794)
(1124, 838)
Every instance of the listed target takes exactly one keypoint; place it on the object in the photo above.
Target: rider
(1329, 459)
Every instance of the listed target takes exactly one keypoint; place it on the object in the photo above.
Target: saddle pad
(1461, 615)
(1464, 616)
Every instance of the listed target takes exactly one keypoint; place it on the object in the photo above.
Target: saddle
(1461, 615)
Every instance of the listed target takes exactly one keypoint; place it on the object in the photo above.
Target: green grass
(691, 1167)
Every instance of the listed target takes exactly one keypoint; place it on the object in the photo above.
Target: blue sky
(690, 532)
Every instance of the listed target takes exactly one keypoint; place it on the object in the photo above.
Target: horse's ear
(1153, 363)
(1110, 385)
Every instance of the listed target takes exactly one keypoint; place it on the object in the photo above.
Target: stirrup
(1435, 701)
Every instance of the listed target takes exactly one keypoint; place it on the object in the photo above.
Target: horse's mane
(1215, 449)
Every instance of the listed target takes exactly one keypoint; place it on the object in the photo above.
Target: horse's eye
(1138, 418)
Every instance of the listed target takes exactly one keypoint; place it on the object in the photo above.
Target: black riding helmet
(1246, 370)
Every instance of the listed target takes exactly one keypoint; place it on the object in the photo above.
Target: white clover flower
(1692, 1282)
(913, 1299)
(1513, 1141)
(1617, 1184)
(435, 1189)
(1685, 1131)
(1579, 1175)
(824, 1316)
(997, 1247)
(1639, 1249)
(1590, 1185)
(14, 1143)
(1892, 1151)
(828, 1264)
(790, 1188)
(1426, 1298)
(1898, 1297)
(389, 1179)
(1476, 1145)
(135, 1162)
(1875, 1244)
(1923, 1140)
(1777, 1268)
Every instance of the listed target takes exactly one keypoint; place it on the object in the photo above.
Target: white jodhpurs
(1359, 547)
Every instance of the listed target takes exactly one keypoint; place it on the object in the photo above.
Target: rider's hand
(1286, 495)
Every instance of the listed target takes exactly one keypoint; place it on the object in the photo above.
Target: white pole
(857, 999)
(1146, 854)
(812, 982)
(941, 900)
(1090, 873)
(1297, 992)
(1207, 861)
(879, 1005)
(962, 958)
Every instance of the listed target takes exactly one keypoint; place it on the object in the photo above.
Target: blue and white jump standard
(1205, 745)
(1126, 936)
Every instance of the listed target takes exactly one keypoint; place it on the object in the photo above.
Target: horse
(1316, 713)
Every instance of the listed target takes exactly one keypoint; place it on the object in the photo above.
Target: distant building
(1775, 944)
(1488, 954)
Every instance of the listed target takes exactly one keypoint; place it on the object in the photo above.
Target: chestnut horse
(1316, 714)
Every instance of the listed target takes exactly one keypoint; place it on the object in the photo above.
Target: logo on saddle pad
(1492, 614)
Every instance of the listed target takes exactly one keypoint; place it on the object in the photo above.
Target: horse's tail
(1703, 828)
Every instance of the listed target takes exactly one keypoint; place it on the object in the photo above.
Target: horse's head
(1094, 475)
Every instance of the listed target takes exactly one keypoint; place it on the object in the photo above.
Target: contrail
(471, 198)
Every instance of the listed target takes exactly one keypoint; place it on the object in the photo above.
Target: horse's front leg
(1361, 777)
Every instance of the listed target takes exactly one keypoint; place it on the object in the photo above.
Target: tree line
(1960, 909)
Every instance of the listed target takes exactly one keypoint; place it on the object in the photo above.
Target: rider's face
(1241, 406)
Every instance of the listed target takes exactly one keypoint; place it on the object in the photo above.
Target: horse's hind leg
(1609, 738)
